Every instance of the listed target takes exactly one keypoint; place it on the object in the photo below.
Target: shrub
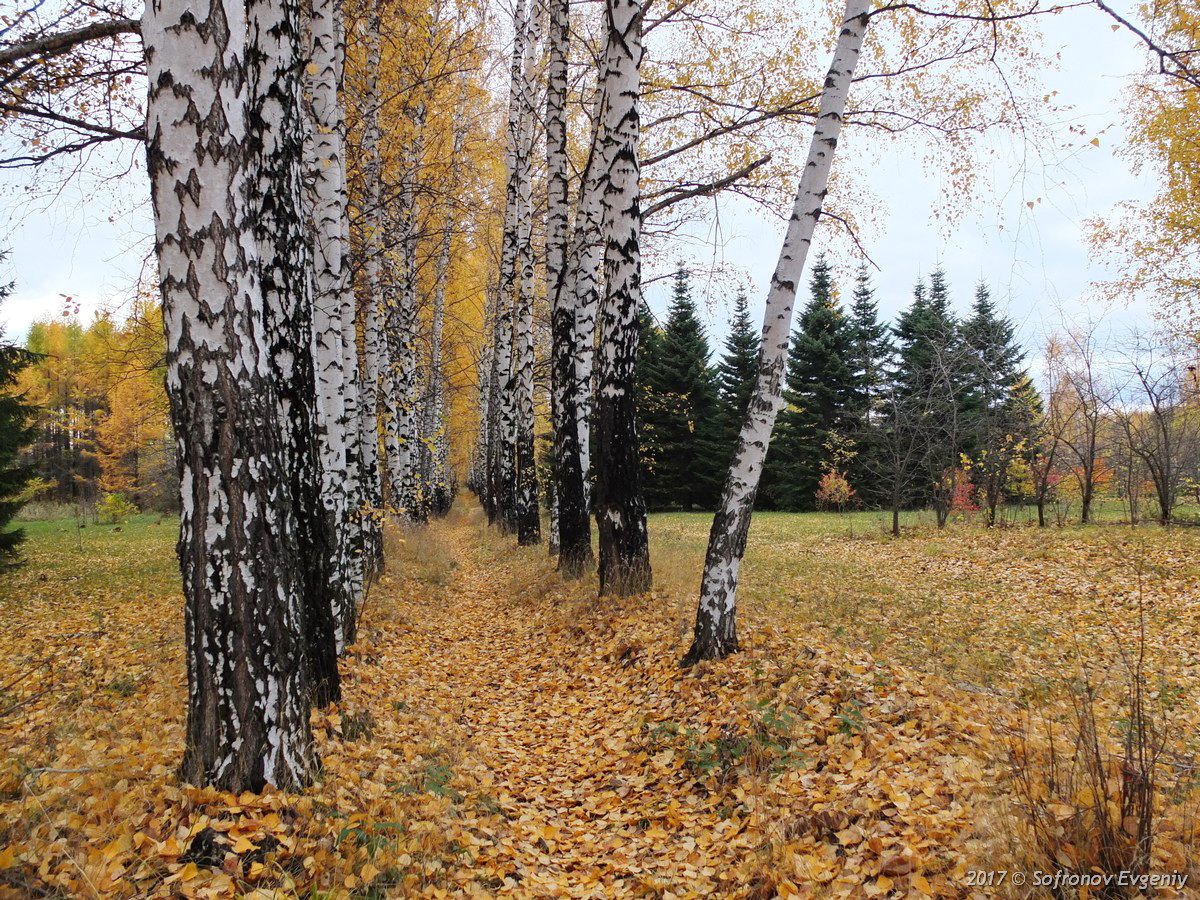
(834, 492)
(116, 508)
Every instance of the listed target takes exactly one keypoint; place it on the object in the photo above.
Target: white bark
(528, 517)
(401, 432)
(374, 359)
(505, 406)
(620, 510)
(247, 706)
(715, 633)
(584, 281)
(333, 302)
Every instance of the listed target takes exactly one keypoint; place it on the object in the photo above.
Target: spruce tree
(1000, 415)
(646, 401)
(682, 411)
(871, 356)
(931, 381)
(16, 432)
(816, 426)
(735, 375)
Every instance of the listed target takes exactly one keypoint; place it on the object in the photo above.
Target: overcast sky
(1037, 265)
(90, 242)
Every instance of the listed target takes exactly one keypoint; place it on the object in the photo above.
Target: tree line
(101, 433)
(935, 411)
(874, 415)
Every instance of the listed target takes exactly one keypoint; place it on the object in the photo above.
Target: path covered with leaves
(501, 734)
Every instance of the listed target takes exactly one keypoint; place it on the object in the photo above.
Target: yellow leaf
(368, 873)
(1060, 811)
(189, 872)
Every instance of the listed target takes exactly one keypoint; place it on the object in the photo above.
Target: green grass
(59, 557)
(978, 605)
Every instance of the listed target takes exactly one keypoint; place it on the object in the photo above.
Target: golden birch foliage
(104, 421)
(434, 59)
(1156, 246)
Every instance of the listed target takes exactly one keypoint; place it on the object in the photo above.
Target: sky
(1037, 264)
(89, 243)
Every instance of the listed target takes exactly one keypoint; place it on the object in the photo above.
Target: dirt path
(567, 754)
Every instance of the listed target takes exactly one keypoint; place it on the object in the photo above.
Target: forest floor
(882, 732)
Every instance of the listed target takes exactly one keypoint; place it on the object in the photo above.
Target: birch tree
(620, 509)
(275, 189)
(715, 633)
(434, 424)
(566, 352)
(335, 347)
(247, 723)
(503, 406)
(374, 350)
(527, 511)
(400, 305)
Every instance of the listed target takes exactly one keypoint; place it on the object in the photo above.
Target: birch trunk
(370, 466)
(557, 220)
(436, 433)
(333, 302)
(715, 634)
(505, 463)
(247, 723)
(413, 490)
(587, 259)
(529, 529)
(435, 436)
(278, 134)
(573, 336)
(620, 509)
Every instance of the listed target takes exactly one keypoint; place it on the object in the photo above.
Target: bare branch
(57, 44)
(705, 190)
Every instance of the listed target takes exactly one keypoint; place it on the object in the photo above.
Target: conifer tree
(1001, 418)
(817, 424)
(684, 417)
(649, 349)
(871, 348)
(932, 375)
(16, 431)
(735, 375)
(871, 355)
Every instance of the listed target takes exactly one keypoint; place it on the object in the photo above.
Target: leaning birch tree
(620, 509)
(715, 634)
(247, 722)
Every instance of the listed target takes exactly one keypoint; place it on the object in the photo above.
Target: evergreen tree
(650, 340)
(872, 347)
(682, 414)
(932, 375)
(735, 375)
(1000, 412)
(816, 427)
(871, 356)
(16, 432)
